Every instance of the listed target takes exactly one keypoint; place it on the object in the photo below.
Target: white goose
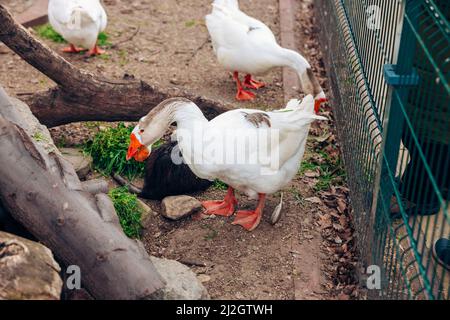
(79, 22)
(244, 44)
(255, 152)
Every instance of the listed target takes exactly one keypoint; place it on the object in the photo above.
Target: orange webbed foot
(72, 49)
(221, 208)
(96, 51)
(243, 95)
(218, 208)
(251, 219)
(251, 83)
(248, 219)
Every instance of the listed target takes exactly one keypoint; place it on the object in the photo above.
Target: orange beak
(318, 103)
(137, 150)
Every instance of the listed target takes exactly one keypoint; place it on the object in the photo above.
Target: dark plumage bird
(164, 178)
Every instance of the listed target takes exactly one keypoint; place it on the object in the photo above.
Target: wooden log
(42, 191)
(82, 96)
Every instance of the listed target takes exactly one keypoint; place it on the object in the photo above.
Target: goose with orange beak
(246, 45)
(261, 150)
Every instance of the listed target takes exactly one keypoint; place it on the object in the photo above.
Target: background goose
(79, 22)
(255, 152)
(244, 44)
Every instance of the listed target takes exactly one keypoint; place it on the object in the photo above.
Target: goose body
(251, 151)
(245, 44)
(79, 22)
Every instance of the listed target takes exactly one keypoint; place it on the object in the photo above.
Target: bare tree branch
(82, 96)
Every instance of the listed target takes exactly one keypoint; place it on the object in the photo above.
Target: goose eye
(141, 131)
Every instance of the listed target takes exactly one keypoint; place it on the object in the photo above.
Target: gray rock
(27, 270)
(81, 163)
(177, 207)
(181, 282)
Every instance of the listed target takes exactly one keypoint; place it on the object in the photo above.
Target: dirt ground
(290, 260)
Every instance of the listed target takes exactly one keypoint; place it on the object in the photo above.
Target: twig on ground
(125, 183)
(191, 262)
(197, 50)
(115, 45)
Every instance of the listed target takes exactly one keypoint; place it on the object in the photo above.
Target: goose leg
(251, 219)
(242, 94)
(251, 83)
(72, 49)
(221, 208)
(95, 51)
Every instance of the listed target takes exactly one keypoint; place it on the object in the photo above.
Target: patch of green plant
(219, 185)
(102, 39)
(128, 210)
(307, 166)
(331, 172)
(46, 31)
(108, 150)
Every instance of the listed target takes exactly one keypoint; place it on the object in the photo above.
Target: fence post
(401, 77)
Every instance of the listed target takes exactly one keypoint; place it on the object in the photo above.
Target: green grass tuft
(103, 40)
(219, 185)
(46, 31)
(108, 150)
(128, 210)
(331, 171)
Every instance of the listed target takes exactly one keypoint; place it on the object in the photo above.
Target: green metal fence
(388, 63)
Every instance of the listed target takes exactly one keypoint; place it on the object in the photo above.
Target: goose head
(137, 149)
(152, 127)
(311, 86)
(308, 81)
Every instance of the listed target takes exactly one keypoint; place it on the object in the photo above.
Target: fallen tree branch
(82, 96)
(42, 191)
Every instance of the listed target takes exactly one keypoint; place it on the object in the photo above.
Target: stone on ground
(181, 282)
(178, 207)
(27, 270)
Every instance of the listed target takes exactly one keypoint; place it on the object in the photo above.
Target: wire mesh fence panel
(388, 63)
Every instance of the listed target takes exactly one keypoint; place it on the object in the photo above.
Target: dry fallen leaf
(312, 174)
(314, 200)
(342, 206)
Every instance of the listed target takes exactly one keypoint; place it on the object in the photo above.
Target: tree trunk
(81, 96)
(42, 191)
